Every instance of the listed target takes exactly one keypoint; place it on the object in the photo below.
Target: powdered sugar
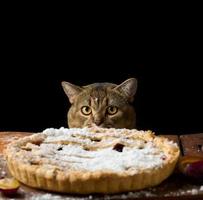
(91, 149)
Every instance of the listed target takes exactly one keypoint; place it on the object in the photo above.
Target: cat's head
(101, 104)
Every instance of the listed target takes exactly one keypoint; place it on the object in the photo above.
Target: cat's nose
(98, 122)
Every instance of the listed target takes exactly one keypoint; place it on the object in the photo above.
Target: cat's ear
(128, 88)
(71, 90)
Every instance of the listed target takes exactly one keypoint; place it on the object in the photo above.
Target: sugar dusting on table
(151, 192)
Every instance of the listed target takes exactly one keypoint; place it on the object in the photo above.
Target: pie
(91, 160)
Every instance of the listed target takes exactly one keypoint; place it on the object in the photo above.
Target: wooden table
(175, 187)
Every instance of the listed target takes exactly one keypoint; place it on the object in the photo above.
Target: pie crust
(92, 160)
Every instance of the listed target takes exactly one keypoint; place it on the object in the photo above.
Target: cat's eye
(86, 110)
(111, 110)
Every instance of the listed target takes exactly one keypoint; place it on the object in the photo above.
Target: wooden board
(175, 187)
(192, 144)
(6, 137)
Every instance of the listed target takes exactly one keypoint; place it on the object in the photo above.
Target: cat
(105, 105)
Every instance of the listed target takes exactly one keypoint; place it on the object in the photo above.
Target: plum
(192, 166)
(9, 186)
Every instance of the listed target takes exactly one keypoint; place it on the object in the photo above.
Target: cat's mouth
(103, 125)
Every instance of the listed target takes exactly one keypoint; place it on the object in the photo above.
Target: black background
(168, 98)
(37, 55)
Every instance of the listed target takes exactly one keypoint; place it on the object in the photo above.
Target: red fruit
(9, 186)
(192, 166)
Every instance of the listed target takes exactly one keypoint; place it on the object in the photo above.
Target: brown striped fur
(98, 98)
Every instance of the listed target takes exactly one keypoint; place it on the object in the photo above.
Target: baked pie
(92, 160)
